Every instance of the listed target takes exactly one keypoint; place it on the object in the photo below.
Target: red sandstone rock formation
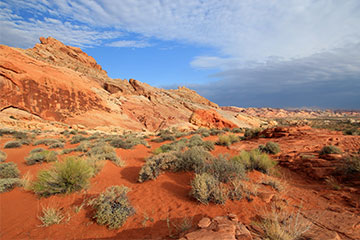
(62, 83)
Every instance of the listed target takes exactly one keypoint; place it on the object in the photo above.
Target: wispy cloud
(127, 43)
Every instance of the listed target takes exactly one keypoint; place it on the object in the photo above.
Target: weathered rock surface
(62, 83)
(221, 227)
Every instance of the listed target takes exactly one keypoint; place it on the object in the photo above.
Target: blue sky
(261, 53)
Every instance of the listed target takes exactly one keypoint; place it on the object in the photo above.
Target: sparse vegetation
(9, 170)
(270, 148)
(112, 207)
(7, 184)
(330, 150)
(47, 142)
(64, 177)
(164, 135)
(252, 133)
(13, 144)
(103, 151)
(227, 140)
(278, 224)
(224, 170)
(206, 188)
(274, 183)
(77, 138)
(3, 156)
(57, 145)
(50, 216)
(333, 182)
(350, 165)
(255, 160)
(41, 156)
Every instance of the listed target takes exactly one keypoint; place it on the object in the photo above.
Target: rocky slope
(62, 83)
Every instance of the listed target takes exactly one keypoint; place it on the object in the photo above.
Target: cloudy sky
(271, 53)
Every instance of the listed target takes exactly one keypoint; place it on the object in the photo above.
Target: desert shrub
(224, 170)
(42, 156)
(9, 170)
(208, 145)
(270, 147)
(3, 156)
(352, 131)
(174, 146)
(193, 159)
(47, 141)
(226, 129)
(204, 132)
(330, 149)
(227, 140)
(13, 144)
(350, 165)
(252, 133)
(68, 150)
(195, 140)
(36, 150)
(261, 161)
(215, 131)
(255, 160)
(279, 224)
(96, 164)
(83, 146)
(157, 163)
(236, 130)
(77, 138)
(274, 183)
(6, 184)
(64, 177)
(112, 207)
(244, 159)
(206, 188)
(103, 151)
(57, 145)
(236, 189)
(50, 216)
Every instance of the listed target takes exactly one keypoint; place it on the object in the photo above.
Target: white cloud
(129, 43)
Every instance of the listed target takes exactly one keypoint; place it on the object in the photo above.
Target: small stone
(204, 223)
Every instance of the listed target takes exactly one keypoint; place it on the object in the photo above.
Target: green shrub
(6, 184)
(83, 146)
(194, 159)
(244, 159)
(42, 156)
(261, 161)
(112, 207)
(3, 156)
(77, 138)
(209, 145)
(174, 146)
(57, 145)
(64, 177)
(224, 170)
(227, 140)
(46, 141)
(350, 165)
(9, 170)
(330, 150)
(13, 144)
(51, 216)
(215, 132)
(103, 151)
(255, 160)
(204, 132)
(36, 150)
(252, 133)
(206, 188)
(270, 147)
(96, 164)
(157, 163)
(236, 130)
(195, 140)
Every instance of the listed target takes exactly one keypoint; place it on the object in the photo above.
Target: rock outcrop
(62, 83)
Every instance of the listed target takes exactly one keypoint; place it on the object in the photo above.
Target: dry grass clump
(13, 144)
(49, 142)
(252, 133)
(41, 156)
(3, 156)
(255, 160)
(50, 216)
(64, 177)
(112, 207)
(103, 151)
(9, 170)
(280, 224)
(330, 149)
(9, 176)
(270, 148)
(333, 182)
(274, 183)
(206, 188)
(227, 140)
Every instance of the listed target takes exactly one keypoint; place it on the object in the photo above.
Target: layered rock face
(62, 83)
